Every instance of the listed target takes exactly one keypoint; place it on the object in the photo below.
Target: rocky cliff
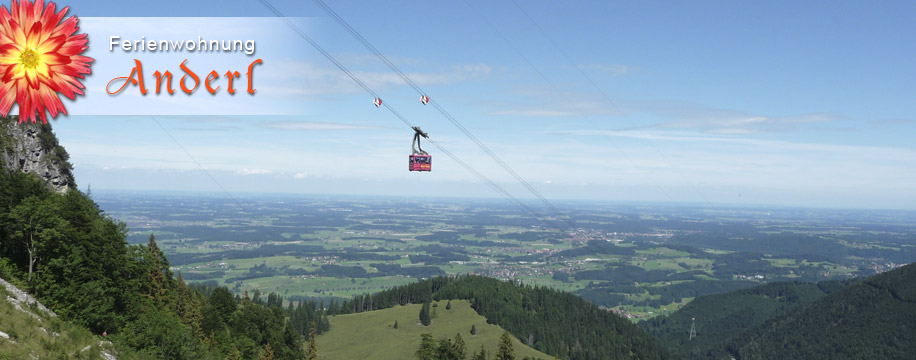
(28, 330)
(33, 149)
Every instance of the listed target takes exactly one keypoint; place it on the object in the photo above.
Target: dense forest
(720, 318)
(551, 321)
(873, 318)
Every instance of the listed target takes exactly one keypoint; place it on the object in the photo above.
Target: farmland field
(638, 260)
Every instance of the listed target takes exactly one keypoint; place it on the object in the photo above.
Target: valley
(638, 260)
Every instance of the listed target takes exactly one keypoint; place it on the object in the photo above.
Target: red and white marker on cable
(424, 99)
(377, 102)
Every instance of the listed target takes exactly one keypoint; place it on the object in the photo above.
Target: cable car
(420, 163)
(419, 160)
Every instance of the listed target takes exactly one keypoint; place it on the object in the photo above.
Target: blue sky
(775, 103)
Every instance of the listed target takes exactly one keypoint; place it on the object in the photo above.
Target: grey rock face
(22, 150)
(21, 300)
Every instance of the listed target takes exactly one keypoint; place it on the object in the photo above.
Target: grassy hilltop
(371, 335)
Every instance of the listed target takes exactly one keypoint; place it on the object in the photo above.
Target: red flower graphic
(39, 59)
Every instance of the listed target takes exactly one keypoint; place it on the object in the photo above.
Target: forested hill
(874, 318)
(721, 318)
(553, 322)
(57, 244)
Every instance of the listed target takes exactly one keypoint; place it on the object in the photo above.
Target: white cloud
(534, 112)
(330, 80)
(300, 175)
(458, 74)
(247, 171)
(546, 101)
(892, 122)
(314, 126)
(772, 145)
(736, 122)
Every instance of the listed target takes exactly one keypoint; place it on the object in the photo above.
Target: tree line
(456, 349)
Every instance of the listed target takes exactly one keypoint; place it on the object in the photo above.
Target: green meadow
(372, 336)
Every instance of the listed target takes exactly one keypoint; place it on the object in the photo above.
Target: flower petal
(52, 44)
(7, 97)
(9, 74)
(34, 35)
(32, 77)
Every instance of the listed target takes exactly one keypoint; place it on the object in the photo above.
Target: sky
(779, 103)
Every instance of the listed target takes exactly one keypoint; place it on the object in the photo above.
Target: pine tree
(427, 350)
(480, 355)
(461, 349)
(473, 330)
(157, 271)
(234, 353)
(324, 325)
(395, 324)
(268, 353)
(449, 305)
(312, 353)
(223, 303)
(188, 306)
(505, 352)
(425, 319)
(446, 350)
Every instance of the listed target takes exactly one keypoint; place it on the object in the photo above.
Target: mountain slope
(872, 319)
(29, 330)
(721, 318)
(371, 335)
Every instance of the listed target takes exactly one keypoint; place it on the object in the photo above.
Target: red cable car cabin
(420, 163)
(419, 160)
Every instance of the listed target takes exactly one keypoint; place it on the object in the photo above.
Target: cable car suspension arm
(416, 141)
